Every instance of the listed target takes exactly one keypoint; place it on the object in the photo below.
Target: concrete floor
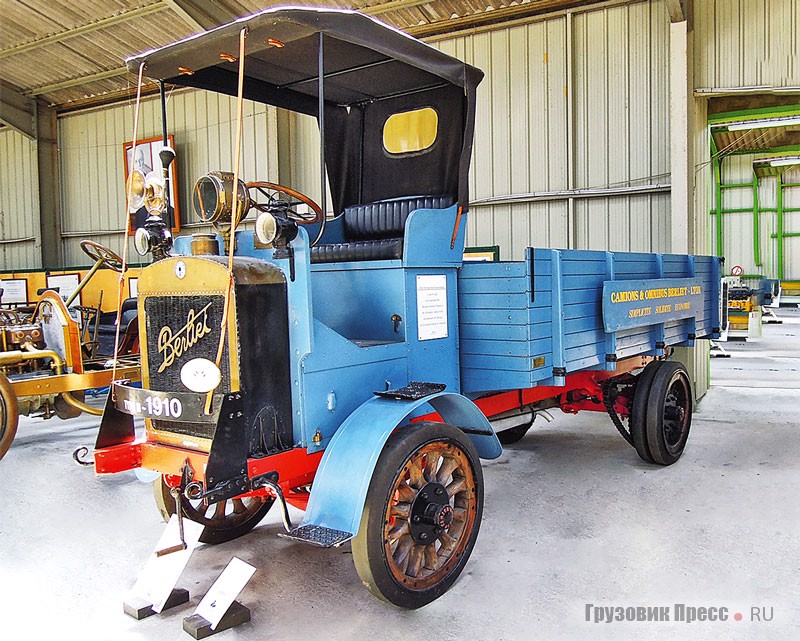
(572, 518)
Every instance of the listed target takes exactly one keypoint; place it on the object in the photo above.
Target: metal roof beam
(393, 5)
(81, 30)
(80, 80)
(200, 14)
(17, 111)
(491, 19)
(679, 10)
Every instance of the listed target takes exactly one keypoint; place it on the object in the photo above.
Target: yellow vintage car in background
(53, 351)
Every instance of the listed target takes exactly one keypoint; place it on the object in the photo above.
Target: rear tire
(421, 516)
(514, 434)
(669, 412)
(638, 422)
(9, 415)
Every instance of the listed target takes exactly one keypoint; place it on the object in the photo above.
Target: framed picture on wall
(65, 285)
(145, 159)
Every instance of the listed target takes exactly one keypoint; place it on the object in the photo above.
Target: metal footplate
(414, 391)
(317, 535)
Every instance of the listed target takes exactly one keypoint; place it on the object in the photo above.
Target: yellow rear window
(410, 131)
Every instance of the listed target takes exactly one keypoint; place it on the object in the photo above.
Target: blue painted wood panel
(533, 321)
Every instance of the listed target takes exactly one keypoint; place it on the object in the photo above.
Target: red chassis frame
(296, 468)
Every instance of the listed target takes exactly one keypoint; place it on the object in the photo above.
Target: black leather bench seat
(107, 329)
(375, 231)
(384, 249)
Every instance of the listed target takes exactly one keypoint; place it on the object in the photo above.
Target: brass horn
(135, 186)
(155, 193)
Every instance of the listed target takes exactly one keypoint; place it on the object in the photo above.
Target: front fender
(342, 480)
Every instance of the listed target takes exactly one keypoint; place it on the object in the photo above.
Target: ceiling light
(785, 162)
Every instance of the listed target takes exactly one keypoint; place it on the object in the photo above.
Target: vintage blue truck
(355, 367)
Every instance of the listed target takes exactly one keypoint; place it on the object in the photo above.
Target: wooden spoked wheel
(437, 483)
(419, 529)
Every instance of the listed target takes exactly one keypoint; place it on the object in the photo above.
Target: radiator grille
(178, 329)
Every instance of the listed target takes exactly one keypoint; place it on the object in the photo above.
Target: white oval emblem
(180, 269)
(200, 375)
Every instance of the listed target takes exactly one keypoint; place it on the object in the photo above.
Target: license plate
(183, 407)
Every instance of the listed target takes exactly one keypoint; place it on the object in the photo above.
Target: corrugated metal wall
(92, 163)
(300, 164)
(755, 46)
(738, 237)
(791, 225)
(622, 124)
(614, 59)
(19, 202)
(747, 43)
(520, 134)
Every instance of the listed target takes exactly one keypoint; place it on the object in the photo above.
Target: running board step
(317, 535)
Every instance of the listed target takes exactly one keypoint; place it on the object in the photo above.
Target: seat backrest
(387, 218)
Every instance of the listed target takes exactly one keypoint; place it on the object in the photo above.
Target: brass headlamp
(213, 199)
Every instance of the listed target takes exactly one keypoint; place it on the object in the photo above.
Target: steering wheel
(270, 201)
(98, 252)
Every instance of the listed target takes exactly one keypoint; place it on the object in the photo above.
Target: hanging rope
(128, 198)
(235, 207)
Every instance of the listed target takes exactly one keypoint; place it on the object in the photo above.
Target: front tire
(222, 521)
(9, 415)
(421, 516)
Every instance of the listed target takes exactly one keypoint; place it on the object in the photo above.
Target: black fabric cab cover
(371, 71)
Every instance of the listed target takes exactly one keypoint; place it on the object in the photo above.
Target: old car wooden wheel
(669, 412)
(9, 415)
(421, 516)
(223, 521)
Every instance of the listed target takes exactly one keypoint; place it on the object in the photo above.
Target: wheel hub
(431, 513)
(675, 413)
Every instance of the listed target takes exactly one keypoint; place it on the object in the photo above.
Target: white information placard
(431, 306)
(161, 573)
(226, 588)
(15, 290)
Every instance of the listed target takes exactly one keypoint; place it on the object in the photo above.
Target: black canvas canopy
(371, 71)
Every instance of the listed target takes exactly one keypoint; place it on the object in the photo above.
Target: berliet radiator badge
(172, 346)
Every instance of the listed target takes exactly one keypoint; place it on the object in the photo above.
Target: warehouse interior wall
(20, 247)
(746, 46)
(756, 250)
(570, 105)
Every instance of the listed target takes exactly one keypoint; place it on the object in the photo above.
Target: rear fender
(342, 480)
